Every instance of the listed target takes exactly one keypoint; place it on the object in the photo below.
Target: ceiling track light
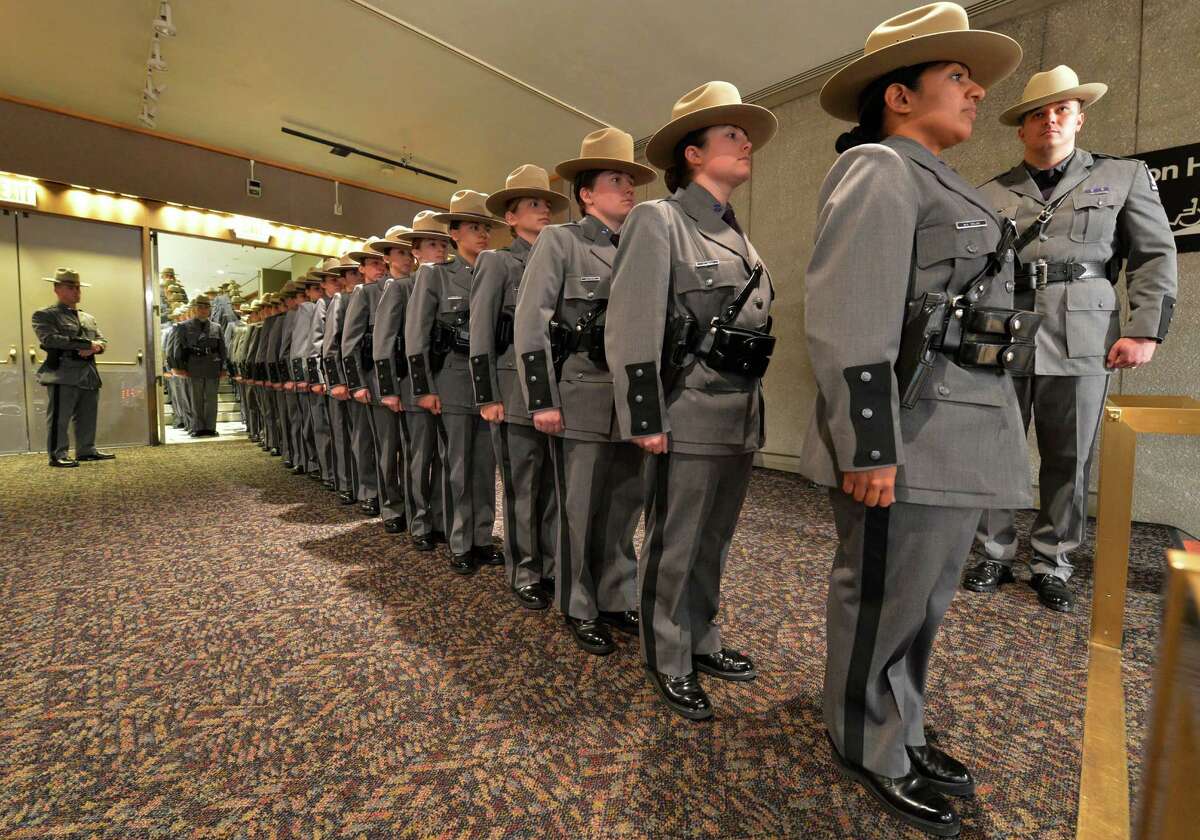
(164, 24)
(151, 91)
(344, 150)
(149, 115)
(155, 61)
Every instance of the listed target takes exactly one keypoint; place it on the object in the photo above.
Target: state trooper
(243, 342)
(428, 241)
(522, 452)
(911, 333)
(437, 339)
(598, 477)
(235, 335)
(198, 357)
(268, 373)
(1086, 215)
(318, 393)
(72, 340)
(180, 414)
(341, 426)
(686, 279)
(307, 291)
(294, 297)
(358, 365)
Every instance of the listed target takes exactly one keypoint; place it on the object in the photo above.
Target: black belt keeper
(1014, 323)
(1014, 357)
(1037, 275)
(735, 350)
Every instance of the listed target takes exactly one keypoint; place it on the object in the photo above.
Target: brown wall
(57, 147)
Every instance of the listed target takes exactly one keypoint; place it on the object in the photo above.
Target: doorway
(220, 269)
(109, 258)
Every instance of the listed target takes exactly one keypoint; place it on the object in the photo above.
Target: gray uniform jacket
(387, 341)
(301, 341)
(199, 348)
(331, 341)
(497, 281)
(284, 352)
(274, 339)
(442, 293)
(885, 210)
(1113, 214)
(677, 254)
(357, 339)
(569, 274)
(168, 330)
(316, 339)
(62, 332)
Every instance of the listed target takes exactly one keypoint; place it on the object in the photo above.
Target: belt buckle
(1041, 274)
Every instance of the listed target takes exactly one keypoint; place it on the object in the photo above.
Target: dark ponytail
(871, 106)
(679, 173)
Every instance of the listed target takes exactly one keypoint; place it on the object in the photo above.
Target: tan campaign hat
(713, 103)
(366, 250)
(1053, 86)
(167, 272)
(392, 239)
(606, 149)
(526, 181)
(201, 300)
(345, 264)
(467, 206)
(937, 32)
(426, 226)
(68, 276)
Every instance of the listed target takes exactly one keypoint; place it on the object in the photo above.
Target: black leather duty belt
(1039, 274)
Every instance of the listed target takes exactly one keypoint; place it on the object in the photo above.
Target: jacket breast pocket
(945, 242)
(707, 276)
(1094, 218)
(585, 287)
(1092, 318)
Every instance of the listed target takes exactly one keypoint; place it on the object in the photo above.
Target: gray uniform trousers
(692, 508)
(295, 427)
(203, 393)
(318, 407)
(389, 462)
(426, 497)
(599, 495)
(340, 426)
(183, 402)
(67, 403)
(468, 481)
(1066, 413)
(362, 440)
(283, 425)
(178, 412)
(529, 508)
(894, 574)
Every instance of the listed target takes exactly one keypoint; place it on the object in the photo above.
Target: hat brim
(67, 282)
(990, 56)
(758, 122)
(385, 245)
(360, 256)
(447, 218)
(1088, 94)
(411, 237)
(568, 169)
(498, 201)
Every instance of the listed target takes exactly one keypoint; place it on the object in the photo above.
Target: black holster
(504, 332)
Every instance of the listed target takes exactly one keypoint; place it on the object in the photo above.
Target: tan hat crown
(67, 276)
(396, 231)
(607, 143)
(426, 222)
(924, 20)
(606, 148)
(469, 203)
(526, 181)
(713, 103)
(1055, 85)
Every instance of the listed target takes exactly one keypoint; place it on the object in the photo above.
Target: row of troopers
(940, 319)
(617, 362)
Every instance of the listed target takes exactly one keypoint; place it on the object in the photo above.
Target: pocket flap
(951, 383)
(585, 287)
(453, 303)
(1091, 297)
(707, 275)
(1082, 200)
(938, 243)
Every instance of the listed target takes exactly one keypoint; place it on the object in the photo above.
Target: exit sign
(18, 191)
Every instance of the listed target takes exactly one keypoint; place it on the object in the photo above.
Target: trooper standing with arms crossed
(1085, 215)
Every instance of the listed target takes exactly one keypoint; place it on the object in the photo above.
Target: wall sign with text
(1177, 173)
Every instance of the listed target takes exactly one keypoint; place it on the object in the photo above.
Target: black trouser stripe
(656, 523)
(55, 399)
(565, 574)
(405, 453)
(510, 498)
(872, 575)
(447, 497)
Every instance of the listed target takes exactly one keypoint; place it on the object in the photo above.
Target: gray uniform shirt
(387, 341)
(331, 341)
(888, 210)
(62, 332)
(357, 343)
(497, 281)
(301, 340)
(677, 254)
(1113, 213)
(316, 339)
(442, 292)
(569, 274)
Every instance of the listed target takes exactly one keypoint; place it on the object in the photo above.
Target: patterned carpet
(197, 645)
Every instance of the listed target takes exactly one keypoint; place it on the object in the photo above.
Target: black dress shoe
(315, 475)
(330, 486)
(63, 462)
(910, 798)
(1052, 592)
(96, 456)
(591, 635)
(684, 694)
(275, 451)
(423, 543)
(369, 508)
(346, 497)
(287, 465)
(987, 576)
(463, 564)
(726, 664)
(193, 434)
(947, 774)
(488, 555)
(438, 536)
(298, 470)
(626, 621)
(531, 597)
(395, 525)
(547, 584)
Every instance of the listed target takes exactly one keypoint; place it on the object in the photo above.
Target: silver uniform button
(533, 379)
(708, 282)
(1042, 237)
(638, 398)
(637, 372)
(972, 247)
(529, 358)
(591, 294)
(868, 413)
(944, 390)
(876, 454)
(1009, 286)
(645, 425)
(865, 376)
(1016, 323)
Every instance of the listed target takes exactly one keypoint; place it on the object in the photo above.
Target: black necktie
(616, 240)
(728, 218)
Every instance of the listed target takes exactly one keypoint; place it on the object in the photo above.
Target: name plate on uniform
(708, 264)
(971, 223)
(589, 279)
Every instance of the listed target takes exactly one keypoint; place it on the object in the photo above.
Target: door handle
(32, 355)
(141, 356)
(12, 355)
